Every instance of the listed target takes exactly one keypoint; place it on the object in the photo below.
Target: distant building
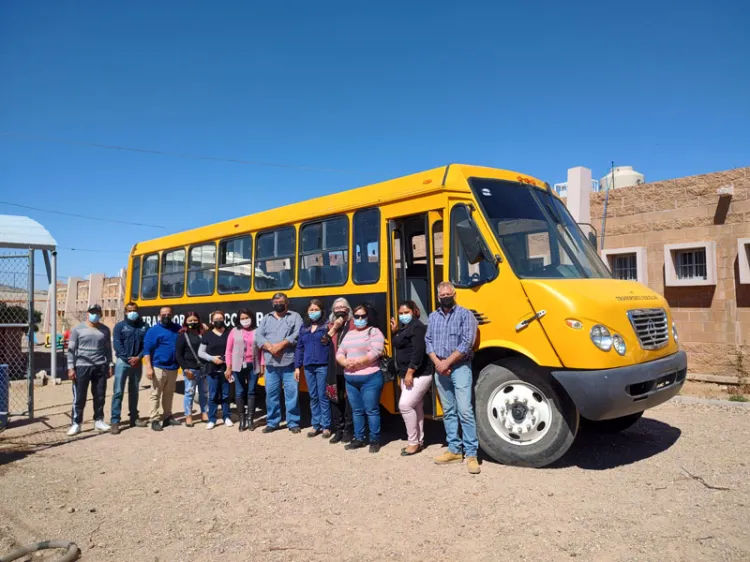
(75, 297)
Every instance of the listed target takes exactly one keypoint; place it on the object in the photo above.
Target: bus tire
(615, 425)
(543, 420)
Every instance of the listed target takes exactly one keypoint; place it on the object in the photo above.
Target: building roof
(26, 233)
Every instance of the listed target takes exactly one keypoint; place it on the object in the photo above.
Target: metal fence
(17, 325)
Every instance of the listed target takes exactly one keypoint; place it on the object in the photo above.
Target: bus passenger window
(235, 265)
(201, 270)
(173, 274)
(462, 272)
(437, 252)
(150, 280)
(135, 278)
(274, 259)
(366, 269)
(324, 253)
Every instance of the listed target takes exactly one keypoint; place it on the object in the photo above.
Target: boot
(241, 411)
(249, 419)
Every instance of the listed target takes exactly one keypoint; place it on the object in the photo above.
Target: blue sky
(381, 89)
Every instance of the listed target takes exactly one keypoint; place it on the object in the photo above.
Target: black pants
(341, 411)
(97, 376)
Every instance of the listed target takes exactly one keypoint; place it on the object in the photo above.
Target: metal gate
(17, 331)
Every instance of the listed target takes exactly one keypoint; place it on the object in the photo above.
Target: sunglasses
(360, 316)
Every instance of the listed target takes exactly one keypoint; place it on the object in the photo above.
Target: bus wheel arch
(524, 417)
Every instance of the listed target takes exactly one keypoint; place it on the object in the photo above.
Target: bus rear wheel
(522, 417)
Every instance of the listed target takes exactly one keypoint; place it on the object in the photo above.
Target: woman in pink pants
(415, 371)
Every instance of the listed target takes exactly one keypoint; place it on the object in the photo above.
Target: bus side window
(202, 270)
(324, 253)
(462, 272)
(274, 259)
(150, 280)
(437, 252)
(135, 278)
(173, 273)
(366, 269)
(235, 265)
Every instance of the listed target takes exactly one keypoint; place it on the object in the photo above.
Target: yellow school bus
(560, 341)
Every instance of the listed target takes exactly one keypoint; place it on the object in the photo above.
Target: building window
(624, 266)
(535, 264)
(150, 279)
(690, 264)
(366, 269)
(743, 260)
(135, 278)
(235, 265)
(202, 270)
(324, 253)
(275, 255)
(173, 274)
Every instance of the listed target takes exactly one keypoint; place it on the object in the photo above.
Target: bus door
(416, 269)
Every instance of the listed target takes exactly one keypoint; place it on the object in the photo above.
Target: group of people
(339, 352)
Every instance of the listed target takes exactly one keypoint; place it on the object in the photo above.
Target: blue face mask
(405, 318)
(132, 316)
(360, 323)
(94, 318)
(314, 315)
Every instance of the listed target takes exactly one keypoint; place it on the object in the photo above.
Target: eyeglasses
(360, 316)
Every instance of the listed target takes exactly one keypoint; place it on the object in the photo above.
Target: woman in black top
(213, 348)
(414, 369)
(186, 351)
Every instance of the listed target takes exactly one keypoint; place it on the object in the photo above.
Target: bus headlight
(619, 344)
(601, 337)
(674, 333)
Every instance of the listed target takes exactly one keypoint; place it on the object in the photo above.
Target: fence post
(30, 373)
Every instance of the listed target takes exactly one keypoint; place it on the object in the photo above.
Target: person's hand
(149, 373)
(262, 370)
(217, 361)
(394, 325)
(278, 349)
(189, 374)
(133, 361)
(409, 380)
(296, 375)
(229, 375)
(351, 364)
(443, 368)
(111, 373)
(72, 374)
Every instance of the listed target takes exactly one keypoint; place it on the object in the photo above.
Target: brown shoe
(448, 457)
(473, 465)
(189, 421)
(204, 418)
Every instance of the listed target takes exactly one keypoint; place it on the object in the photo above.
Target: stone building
(75, 296)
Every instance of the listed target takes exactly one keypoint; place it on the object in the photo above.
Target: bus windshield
(538, 236)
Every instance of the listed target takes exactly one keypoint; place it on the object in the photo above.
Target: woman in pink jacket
(244, 364)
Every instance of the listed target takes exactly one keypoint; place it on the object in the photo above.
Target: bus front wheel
(522, 417)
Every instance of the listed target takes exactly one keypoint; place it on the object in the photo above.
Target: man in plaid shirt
(451, 332)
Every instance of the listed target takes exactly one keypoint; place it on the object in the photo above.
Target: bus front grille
(651, 327)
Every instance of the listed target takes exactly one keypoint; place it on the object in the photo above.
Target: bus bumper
(613, 393)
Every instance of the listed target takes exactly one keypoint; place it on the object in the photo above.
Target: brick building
(688, 239)
(75, 296)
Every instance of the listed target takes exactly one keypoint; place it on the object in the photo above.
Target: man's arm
(108, 345)
(117, 343)
(292, 338)
(72, 348)
(260, 335)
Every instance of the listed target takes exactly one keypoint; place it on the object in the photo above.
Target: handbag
(195, 355)
(388, 366)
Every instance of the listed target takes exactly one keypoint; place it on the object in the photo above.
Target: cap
(95, 308)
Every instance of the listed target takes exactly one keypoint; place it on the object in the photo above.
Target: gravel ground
(674, 487)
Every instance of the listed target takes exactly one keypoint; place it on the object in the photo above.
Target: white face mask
(246, 322)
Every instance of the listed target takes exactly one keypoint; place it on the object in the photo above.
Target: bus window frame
(300, 255)
(217, 267)
(158, 275)
(380, 247)
(137, 295)
(452, 265)
(293, 256)
(162, 255)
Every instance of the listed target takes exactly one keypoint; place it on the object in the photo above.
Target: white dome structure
(624, 176)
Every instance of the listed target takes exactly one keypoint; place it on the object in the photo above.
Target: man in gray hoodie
(89, 362)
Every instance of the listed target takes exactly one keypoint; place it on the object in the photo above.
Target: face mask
(405, 318)
(314, 315)
(246, 323)
(360, 323)
(193, 325)
(94, 318)
(218, 324)
(448, 302)
(164, 320)
(279, 307)
(341, 314)
(132, 316)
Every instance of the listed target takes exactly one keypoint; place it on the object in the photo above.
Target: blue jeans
(198, 382)
(218, 393)
(244, 383)
(320, 407)
(455, 397)
(132, 375)
(275, 378)
(364, 396)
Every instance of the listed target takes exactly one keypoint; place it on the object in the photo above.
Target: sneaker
(75, 429)
(473, 465)
(115, 429)
(138, 423)
(374, 447)
(448, 457)
(347, 437)
(100, 425)
(355, 444)
(210, 426)
(156, 426)
(336, 438)
(295, 430)
(228, 422)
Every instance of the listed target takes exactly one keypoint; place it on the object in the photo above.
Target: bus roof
(451, 177)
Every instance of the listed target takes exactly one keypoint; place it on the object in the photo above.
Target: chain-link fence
(16, 324)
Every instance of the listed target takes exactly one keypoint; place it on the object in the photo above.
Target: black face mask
(279, 307)
(448, 302)
(164, 320)
(341, 314)
(218, 325)
(193, 326)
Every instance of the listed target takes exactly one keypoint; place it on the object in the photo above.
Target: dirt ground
(674, 487)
